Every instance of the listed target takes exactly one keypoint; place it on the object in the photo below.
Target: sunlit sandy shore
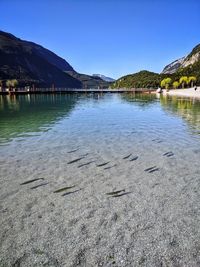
(190, 92)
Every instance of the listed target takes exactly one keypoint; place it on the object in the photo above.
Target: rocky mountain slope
(184, 62)
(174, 66)
(89, 81)
(31, 63)
(104, 78)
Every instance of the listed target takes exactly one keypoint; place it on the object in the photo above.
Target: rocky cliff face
(192, 58)
(174, 66)
(184, 62)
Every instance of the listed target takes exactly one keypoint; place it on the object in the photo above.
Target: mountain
(142, 79)
(186, 66)
(31, 63)
(174, 66)
(104, 78)
(184, 62)
(89, 81)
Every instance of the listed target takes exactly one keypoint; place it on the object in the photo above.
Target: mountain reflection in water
(24, 115)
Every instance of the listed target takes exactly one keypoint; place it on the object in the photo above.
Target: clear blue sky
(111, 37)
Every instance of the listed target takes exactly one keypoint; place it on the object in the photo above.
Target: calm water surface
(97, 118)
(106, 126)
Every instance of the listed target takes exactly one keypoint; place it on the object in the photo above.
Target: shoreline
(75, 90)
(189, 92)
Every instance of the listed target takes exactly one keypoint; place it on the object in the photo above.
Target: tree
(8, 83)
(176, 84)
(183, 80)
(11, 83)
(1, 85)
(192, 80)
(14, 83)
(166, 82)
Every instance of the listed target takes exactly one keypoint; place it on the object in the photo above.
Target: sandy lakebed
(57, 181)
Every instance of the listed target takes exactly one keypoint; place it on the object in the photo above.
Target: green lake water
(23, 117)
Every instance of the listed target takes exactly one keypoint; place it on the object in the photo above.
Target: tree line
(183, 82)
(9, 83)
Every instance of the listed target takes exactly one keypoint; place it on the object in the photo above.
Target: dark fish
(115, 192)
(34, 187)
(146, 170)
(31, 181)
(135, 158)
(64, 189)
(107, 168)
(123, 194)
(84, 164)
(126, 157)
(155, 185)
(72, 151)
(75, 160)
(167, 153)
(69, 193)
(154, 170)
(103, 164)
(157, 140)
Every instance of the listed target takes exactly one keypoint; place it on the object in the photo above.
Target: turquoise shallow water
(87, 118)
(105, 126)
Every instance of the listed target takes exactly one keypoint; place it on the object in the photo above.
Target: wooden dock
(73, 90)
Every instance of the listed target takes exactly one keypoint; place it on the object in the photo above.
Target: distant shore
(189, 92)
(75, 90)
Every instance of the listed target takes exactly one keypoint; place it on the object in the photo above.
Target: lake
(99, 180)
